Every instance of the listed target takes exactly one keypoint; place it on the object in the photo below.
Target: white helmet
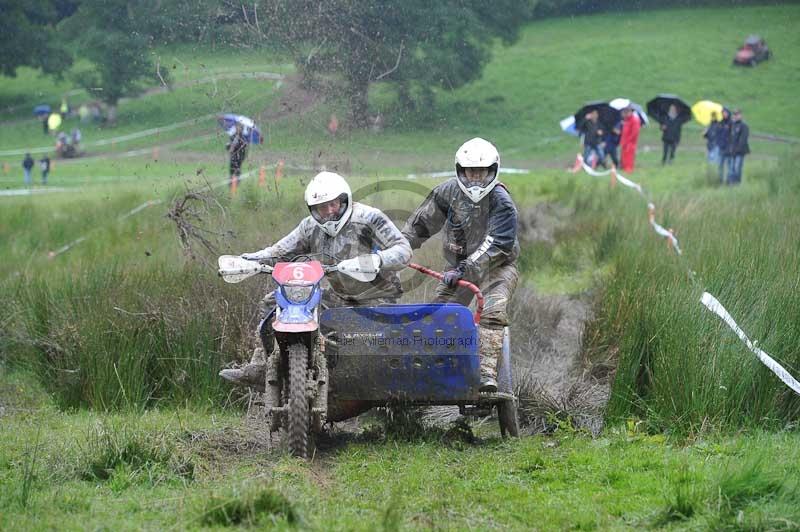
(477, 153)
(325, 187)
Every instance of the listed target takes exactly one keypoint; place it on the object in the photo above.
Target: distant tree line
(559, 8)
(414, 46)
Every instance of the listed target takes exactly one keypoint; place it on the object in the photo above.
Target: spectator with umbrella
(671, 135)
(593, 139)
(593, 120)
(42, 112)
(237, 148)
(242, 131)
(671, 112)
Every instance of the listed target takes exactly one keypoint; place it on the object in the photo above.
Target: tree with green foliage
(113, 36)
(28, 37)
(416, 45)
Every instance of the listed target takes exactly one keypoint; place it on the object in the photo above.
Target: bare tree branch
(397, 64)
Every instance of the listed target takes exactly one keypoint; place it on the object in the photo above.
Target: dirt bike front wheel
(298, 418)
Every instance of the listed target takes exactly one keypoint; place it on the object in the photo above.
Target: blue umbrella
(41, 110)
(251, 132)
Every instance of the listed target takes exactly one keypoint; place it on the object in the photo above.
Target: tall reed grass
(113, 339)
(680, 367)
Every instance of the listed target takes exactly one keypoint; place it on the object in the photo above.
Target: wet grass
(624, 479)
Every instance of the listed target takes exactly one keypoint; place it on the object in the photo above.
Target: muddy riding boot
(252, 375)
(491, 346)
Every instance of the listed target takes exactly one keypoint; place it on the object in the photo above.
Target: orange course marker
(278, 176)
(262, 176)
(234, 185)
(577, 165)
(279, 171)
(613, 176)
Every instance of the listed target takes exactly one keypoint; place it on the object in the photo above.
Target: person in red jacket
(630, 136)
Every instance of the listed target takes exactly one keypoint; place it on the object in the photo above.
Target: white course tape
(710, 302)
(716, 307)
(628, 183)
(141, 207)
(67, 247)
(591, 171)
(663, 232)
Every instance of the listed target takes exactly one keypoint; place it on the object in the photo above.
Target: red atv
(754, 51)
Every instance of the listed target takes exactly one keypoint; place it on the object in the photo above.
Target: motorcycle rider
(480, 243)
(338, 229)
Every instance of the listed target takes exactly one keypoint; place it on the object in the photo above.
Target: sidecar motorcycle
(334, 364)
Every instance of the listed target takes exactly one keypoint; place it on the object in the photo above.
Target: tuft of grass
(29, 473)
(749, 483)
(123, 453)
(682, 500)
(250, 507)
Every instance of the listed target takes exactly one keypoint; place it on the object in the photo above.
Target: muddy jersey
(477, 236)
(367, 231)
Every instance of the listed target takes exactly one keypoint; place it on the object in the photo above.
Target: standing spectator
(76, 137)
(710, 134)
(737, 147)
(45, 127)
(612, 142)
(672, 134)
(629, 138)
(27, 165)
(44, 164)
(237, 148)
(592, 139)
(723, 136)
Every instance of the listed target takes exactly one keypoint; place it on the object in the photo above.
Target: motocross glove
(451, 277)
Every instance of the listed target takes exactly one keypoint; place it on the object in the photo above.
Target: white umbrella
(568, 126)
(622, 103)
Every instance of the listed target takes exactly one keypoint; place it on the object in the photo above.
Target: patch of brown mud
(553, 379)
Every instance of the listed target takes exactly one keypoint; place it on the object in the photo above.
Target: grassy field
(110, 407)
(184, 468)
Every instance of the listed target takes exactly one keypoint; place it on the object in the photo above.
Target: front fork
(316, 383)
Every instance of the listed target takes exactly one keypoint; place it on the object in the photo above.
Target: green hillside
(115, 323)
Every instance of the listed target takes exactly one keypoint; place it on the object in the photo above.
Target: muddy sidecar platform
(422, 354)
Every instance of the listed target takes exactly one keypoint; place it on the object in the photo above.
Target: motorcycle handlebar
(466, 284)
